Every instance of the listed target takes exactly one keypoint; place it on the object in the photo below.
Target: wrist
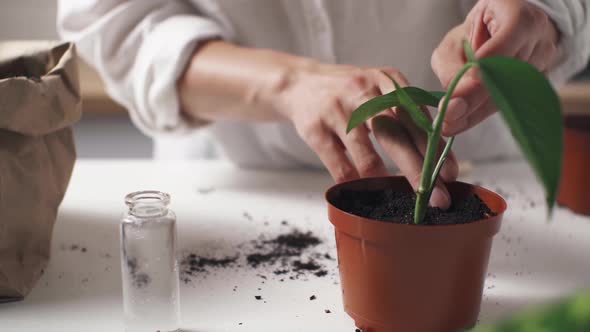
(226, 81)
(274, 92)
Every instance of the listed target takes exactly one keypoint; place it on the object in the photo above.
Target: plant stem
(428, 176)
(422, 195)
(441, 161)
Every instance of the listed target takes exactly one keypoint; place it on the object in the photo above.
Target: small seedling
(528, 103)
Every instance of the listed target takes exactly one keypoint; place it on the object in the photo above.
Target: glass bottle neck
(148, 204)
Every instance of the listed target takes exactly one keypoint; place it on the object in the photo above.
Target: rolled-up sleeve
(572, 18)
(140, 48)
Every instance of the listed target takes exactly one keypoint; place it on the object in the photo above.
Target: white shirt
(140, 48)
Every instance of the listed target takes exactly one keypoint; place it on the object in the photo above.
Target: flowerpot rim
(499, 201)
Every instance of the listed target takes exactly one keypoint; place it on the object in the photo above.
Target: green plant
(528, 103)
(571, 314)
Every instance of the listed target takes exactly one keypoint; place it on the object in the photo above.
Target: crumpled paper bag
(39, 101)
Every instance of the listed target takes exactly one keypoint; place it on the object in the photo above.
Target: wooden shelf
(575, 97)
(95, 100)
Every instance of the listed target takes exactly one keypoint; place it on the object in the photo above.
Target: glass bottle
(148, 264)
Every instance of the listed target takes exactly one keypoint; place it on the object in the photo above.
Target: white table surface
(533, 261)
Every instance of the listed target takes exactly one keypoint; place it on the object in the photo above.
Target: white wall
(95, 136)
(27, 19)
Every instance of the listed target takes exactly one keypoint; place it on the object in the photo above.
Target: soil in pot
(395, 206)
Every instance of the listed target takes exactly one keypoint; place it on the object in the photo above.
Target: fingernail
(456, 109)
(440, 198)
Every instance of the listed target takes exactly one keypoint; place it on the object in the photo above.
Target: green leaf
(378, 104)
(438, 95)
(371, 108)
(410, 106)
(531, 108)
(571, 315)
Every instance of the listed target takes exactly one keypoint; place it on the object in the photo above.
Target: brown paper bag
(39, 101)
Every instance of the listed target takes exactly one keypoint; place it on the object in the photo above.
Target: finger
(440, 195)
(543, 56)
(358, 144)
(384, 84)
(332, 154)
(469, 95)
(465, 123)
(505, 43)
(508, 33)
(448, 58)
(365, 158)
(526, 52)
(396, 143)
(479, 33)
(503, 39)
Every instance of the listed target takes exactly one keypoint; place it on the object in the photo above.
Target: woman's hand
(226, 81)
(511, 28)
(320, 99)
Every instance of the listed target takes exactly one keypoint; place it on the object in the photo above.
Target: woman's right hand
(319, 101)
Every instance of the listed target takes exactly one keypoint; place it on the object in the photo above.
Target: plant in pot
(574, 190)
(405, 266)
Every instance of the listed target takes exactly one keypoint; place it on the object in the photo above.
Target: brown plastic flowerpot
(574, 191)
(412, 278)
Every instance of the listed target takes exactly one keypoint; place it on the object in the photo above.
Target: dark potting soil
(192, 263)
(284, 250)
(291, 254)
(393, 206)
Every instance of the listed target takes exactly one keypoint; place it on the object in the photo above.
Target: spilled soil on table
(289, 255)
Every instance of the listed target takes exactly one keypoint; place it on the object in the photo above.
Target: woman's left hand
(511, 28)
